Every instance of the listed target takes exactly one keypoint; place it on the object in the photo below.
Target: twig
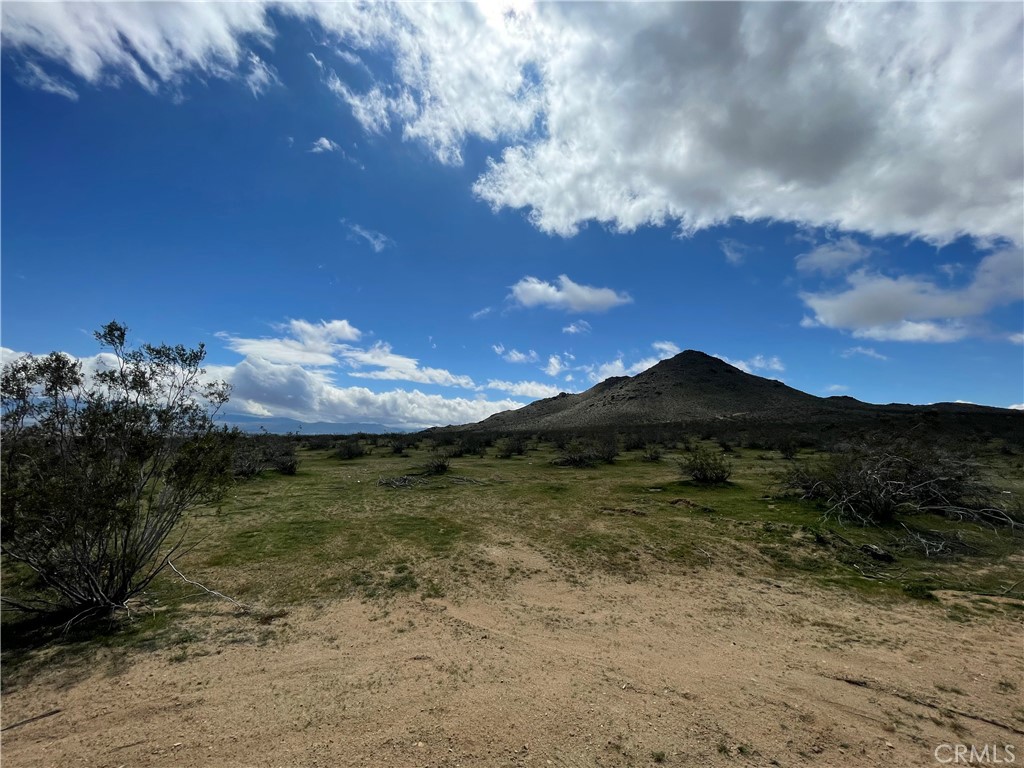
(51, 713)
(242, 606)
(1012, 587)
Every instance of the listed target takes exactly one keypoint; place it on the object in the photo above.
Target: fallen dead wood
(908, 697)
(28, 720)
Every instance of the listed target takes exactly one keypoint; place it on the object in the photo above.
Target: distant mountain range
(282, 426)
(693, 386)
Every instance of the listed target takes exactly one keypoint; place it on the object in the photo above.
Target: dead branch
(241, 606)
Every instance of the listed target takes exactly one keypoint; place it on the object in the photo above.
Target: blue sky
(423, 214)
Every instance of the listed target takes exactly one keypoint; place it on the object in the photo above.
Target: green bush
(707, 467)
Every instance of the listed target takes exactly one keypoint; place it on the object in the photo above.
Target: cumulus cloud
(264, 388)
(617, 367)
(908, 308)
(376, 240)
(577, 327)
(833, 257)
(875, 117)
(323, 144)
(865, 351)
(514, 355)
(1016, 407)
(566, 295)
(314, 344)
(555, 365)
(532, 389)
(324, 348)
(755, 363)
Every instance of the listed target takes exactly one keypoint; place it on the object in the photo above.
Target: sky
(422, 214)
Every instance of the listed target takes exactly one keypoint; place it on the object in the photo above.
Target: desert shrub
(319, 442)
(509, 446)
(787, 447)
(438, 463)
(279, 451)
(248, 458)
(651, 453)
(350, 449)
(98, 470)
(606, 448)
(633, 441)
(706, 466)
(877, 483)
(577, 453)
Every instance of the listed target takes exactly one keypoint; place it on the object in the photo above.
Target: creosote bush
(350, 449)
(98, 470)
(875, 484)
(706, 466)
(438, 463)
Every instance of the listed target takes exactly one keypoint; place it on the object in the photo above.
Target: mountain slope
(692, 386)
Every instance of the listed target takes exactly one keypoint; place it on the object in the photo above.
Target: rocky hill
(692, 387)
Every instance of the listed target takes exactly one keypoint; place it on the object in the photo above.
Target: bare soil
(548, 668)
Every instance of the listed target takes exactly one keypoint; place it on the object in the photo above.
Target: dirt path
(707, 669)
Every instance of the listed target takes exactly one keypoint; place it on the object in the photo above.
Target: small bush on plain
(707, 467)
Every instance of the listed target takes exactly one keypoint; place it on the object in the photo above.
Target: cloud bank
(873, 117)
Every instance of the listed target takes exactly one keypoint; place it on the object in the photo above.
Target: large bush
(707, 467)
(877, 483)
(98, 470)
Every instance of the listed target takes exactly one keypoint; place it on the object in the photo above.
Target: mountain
(693, 386)
(280, 425)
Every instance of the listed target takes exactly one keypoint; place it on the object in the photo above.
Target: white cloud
(532, 389)
(906, 308)
(756, 363)
(481, 313)
(836, 388)
(313, 344)
(263, 387)
(514, 355)
(577, 327)
(734, 251)
(833, 257)
(566, 295)
(1016, 407)
(34, 76)
(1015, 338)
(875, 117)
(8, 355)
(377, 240)
(323, 144)
(323, 348)
(865, 351)
(663, 350)
(260, 76)
(555, 366)
(152, 44)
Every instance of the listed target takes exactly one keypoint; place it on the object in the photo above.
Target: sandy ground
(708, 668)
